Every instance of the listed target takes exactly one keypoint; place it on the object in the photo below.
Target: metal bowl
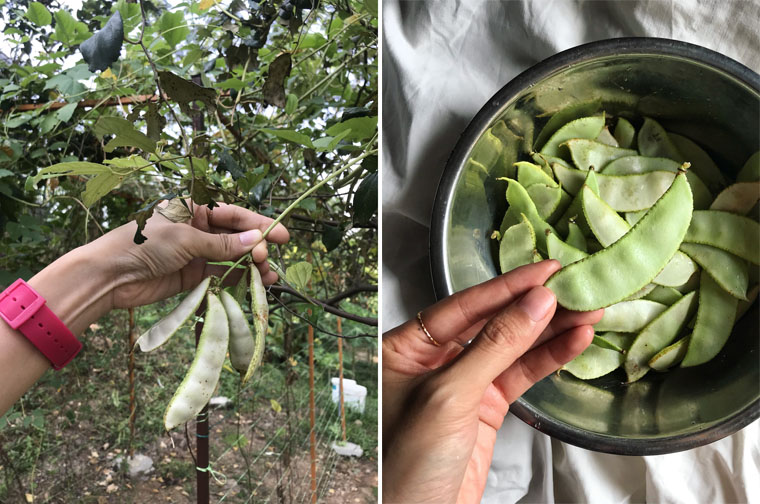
(690, 90)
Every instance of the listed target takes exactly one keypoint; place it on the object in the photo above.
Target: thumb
(505, 338)
(222, 246)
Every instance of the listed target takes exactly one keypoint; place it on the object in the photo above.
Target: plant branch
(370, 321)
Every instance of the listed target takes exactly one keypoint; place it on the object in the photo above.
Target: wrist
(76, 288)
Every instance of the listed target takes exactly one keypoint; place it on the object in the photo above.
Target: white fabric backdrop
(441, 61)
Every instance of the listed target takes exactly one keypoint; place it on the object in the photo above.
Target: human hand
(442, 405)
(175, 256)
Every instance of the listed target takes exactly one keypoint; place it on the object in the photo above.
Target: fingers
(220, 247)
(565, 320)
(240, 219)
(542, 361)
(504, 339)
(451, 318)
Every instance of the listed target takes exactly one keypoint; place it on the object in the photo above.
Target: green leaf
(173, 27)
(241, 288)
(68, 82)
(64, 113)
(38, 14)
(335, 27)
(291, 104)
(331, 236)
(126, 134)
(130, 14)
(309, 204)
(233, 83)
(290, 135)
(68, 30)
(18, 120)
(371, 7)
(99, 186)
(312, 41)
(298, 275)
(365, 199)
(361, 128)
(5, 173)
(49, 122)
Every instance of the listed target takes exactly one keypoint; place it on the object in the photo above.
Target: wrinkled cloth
(442, 60)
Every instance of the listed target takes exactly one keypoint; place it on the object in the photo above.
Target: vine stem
(295, 203)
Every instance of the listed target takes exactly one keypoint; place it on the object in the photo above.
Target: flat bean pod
(711, 330)
(619, 341)
(594, 362)
(575, 237)
(728, 270)
(607, 138)
(701, 163)
(517, 246)
(167, 326)
(519, 198)
(260, 311)
(547, 199)
(736, 234)
(585, 127)
(529, 174)
(653, 141)
(564, 116)
(624, 133)
(750, 172)
(738, 198)
(629, 316)
(633, 261)
(588, 154)
(664, 295)
(670, 355)
(241, 338)
(563, 252)
(202, 377)
(658, 334)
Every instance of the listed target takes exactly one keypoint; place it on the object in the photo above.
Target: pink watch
(24, 309)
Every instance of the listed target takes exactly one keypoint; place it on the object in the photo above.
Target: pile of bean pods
(646, 226)
(225, 327)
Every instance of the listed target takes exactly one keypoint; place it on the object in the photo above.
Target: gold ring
(424, 329)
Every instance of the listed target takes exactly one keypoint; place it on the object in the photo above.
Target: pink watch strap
(25, 310)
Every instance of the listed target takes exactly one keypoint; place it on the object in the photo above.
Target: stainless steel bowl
(691, 90)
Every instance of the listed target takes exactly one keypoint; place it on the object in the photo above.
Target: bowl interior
(696, 99)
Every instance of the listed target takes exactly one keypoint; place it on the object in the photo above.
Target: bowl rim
(573, 56)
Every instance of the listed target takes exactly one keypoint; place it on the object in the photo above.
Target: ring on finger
(424, 329)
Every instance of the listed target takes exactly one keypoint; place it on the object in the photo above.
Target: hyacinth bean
(750, 172)
(630, 263)
(564, 116)
(736, 234)
(517, 246)
(670, 355)
(728, 271)
(241, 338)
(529, 174)
(658, 334)
(712, 329)
(606, 138)
(664, 295)
(575, 236)
(625, 133)
(624, 193)
(260, 311)
(167, 326)
(629, 316)
(619, 341)
(738, 198)
(653, 141)
(202, 377)
(561, 251)
(645, 238)
(519, 198)
(701, 163)
(589, 154)
(547, 199)
(574, 212)
(585, 127)
(595, 361)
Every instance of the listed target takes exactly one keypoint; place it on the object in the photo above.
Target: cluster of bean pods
(225, 328)
(646, 226)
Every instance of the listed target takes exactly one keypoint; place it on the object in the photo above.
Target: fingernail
(250, 237)
(537, 303)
